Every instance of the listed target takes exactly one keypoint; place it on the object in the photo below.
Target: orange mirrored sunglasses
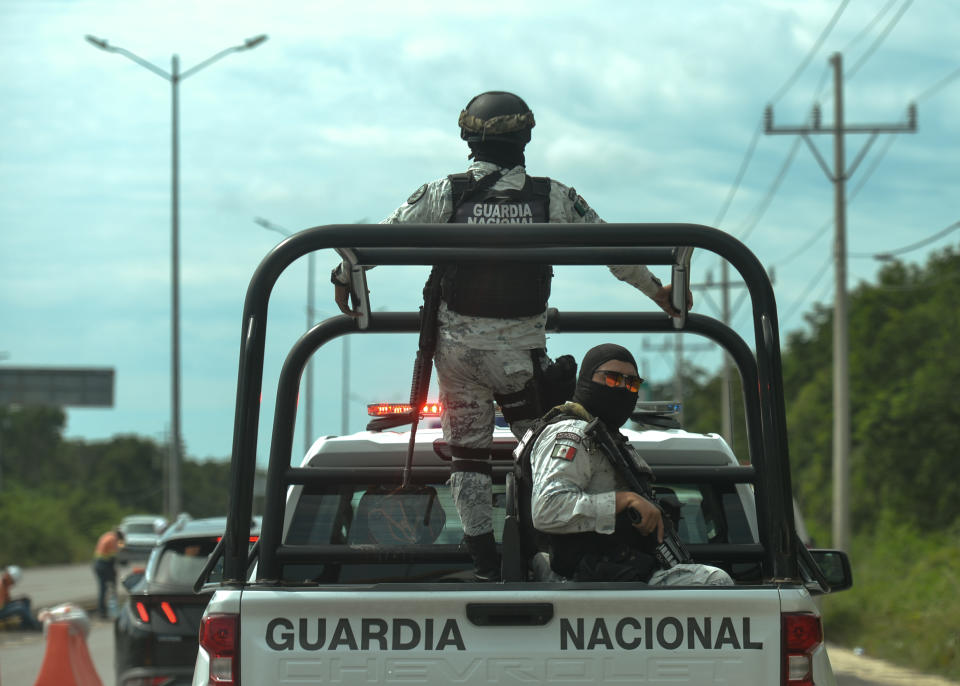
(618, 379)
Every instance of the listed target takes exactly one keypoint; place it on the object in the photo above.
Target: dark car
(156, 633)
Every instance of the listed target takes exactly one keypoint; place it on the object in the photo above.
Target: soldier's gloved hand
(651, 519)
(662, 298)
(341, 294)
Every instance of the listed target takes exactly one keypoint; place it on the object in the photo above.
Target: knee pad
(470, 460)
(522, 404)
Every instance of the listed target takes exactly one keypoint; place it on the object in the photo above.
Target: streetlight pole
(175, 76)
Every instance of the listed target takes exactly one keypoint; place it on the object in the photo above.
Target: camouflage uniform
(574, 488)
(479, 356)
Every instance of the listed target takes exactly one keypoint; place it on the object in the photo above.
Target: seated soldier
(581, 501)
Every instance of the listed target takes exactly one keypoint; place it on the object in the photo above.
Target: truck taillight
(219, 637)
(802, 634)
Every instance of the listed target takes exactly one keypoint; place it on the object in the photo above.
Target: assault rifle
(630, 467)
(422, 367)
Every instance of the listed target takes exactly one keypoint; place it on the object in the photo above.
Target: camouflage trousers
(690, 575)
(468, 378)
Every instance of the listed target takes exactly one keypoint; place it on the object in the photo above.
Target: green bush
(905, 601)
(44, 527)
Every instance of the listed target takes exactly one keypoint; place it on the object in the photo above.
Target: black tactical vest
(498, 290)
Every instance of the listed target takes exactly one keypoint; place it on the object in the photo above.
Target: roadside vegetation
(905, 425)
(57, 496)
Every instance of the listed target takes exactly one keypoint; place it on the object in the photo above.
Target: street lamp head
(255, 41)
(98, 42)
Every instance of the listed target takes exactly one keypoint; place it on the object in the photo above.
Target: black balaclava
(501, 153)
(612, 405)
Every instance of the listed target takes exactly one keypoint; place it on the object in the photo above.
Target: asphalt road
(22, 654)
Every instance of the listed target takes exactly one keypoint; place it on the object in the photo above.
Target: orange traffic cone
(66, 661)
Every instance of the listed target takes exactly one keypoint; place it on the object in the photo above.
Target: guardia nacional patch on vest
(493, 212)
(416, 195)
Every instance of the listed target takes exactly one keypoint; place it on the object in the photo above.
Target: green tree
(905, 416)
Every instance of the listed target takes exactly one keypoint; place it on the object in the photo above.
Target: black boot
(486, 560)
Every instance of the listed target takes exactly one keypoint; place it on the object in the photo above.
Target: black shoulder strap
(460, 184)
(541, 186)
(541, 189)
(465, 186)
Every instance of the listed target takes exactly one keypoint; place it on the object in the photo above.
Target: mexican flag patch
(563, 452)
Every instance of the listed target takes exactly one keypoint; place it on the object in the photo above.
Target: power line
(743, 169)
(879, 39)
(809, 244)
(762, 206)
(853, 194)
(938, 85)
(889, 254)
(808, 289)
(810, 55)
(950, 276)
(869, 27)
(783, 89)
(872, 168)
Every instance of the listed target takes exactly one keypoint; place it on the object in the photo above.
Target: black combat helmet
(496, 116)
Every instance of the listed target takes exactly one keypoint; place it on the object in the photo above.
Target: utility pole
(841, 345)
(725, 284)
(676, 346)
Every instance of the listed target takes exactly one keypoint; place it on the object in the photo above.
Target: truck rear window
(372, 515)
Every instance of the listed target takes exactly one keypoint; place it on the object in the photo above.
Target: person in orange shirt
(105, 566)
(15, 607)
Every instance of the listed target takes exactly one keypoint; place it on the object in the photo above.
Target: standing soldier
(491, 342)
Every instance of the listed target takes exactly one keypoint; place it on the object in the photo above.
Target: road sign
(56, 386)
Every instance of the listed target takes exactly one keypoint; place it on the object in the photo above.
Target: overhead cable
(783, 89)
(888, 254)
(938, 85)
(869, 27)
(808, 289)
(878, 40)
(810, 55)
(850, 198)
(743, 169)
(762, 206)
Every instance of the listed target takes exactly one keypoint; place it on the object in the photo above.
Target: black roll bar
(545, 243)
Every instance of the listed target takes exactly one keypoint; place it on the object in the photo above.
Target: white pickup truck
(355, 582)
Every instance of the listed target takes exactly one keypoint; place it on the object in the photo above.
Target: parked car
(156, 632)
(140, 535)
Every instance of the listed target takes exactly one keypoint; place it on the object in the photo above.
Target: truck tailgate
(563, 635)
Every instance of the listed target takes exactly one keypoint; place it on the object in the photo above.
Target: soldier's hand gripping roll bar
(671, 551)
(357, 286)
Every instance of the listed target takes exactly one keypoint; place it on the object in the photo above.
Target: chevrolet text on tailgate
(356, 580)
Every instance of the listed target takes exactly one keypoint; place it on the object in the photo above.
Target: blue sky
(648, 109)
